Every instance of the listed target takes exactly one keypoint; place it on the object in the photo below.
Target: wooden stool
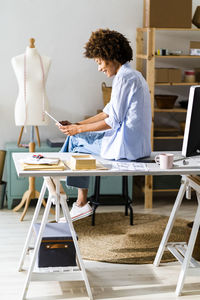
(94, 199)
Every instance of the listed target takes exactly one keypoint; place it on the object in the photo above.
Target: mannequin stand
(20, 136)
(31, 193)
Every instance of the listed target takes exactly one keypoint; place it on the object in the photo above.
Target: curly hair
(108, 45)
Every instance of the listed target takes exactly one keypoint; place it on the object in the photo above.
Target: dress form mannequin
(31, 71)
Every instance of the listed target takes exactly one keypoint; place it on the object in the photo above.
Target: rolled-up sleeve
(117, 107)
(112, 121)
(106, 109)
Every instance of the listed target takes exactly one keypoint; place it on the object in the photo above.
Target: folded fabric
(42, 167)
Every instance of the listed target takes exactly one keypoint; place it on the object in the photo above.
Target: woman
(124, 124)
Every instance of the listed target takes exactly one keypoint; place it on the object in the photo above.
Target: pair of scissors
(38, 156)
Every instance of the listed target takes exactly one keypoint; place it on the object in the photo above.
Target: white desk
(123, 168)
(115, 168)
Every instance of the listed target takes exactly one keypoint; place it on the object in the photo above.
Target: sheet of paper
(131, 166)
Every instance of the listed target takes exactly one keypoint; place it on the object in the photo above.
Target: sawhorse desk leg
(54, 197)
(30, 231)
(189, 251)
(187, 181)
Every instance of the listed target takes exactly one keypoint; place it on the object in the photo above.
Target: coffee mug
(165, 160)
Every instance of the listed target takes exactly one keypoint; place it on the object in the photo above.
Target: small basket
(106, 90)
(196, 17)
(165, 101)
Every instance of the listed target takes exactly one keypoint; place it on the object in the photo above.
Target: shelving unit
(145, 42)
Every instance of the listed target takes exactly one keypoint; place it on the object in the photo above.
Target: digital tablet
(50, 116)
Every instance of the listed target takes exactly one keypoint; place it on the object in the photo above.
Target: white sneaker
(62, 220)
(79, 212)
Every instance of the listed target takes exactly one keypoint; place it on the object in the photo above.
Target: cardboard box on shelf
(175, 75)
(161, 75)
(168, 75)
(167, 14)
(194, 44)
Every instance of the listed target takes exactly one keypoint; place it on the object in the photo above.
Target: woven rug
(113, 240)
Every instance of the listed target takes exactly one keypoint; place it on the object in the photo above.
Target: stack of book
(45, 163)
(82, 162)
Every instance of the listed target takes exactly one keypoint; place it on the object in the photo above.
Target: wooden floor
(108, 281)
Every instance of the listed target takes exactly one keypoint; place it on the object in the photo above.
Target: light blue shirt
(129, 116)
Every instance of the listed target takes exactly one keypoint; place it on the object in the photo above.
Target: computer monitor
(191, 140)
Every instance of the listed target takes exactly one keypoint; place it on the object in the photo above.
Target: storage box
(55, 142)
(194, 44)
(175, 75)
(57, 247)
(167, 14)
(195, 48)
(161, 75)
(168, 75)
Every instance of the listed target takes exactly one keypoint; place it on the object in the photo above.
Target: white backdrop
(61, 28)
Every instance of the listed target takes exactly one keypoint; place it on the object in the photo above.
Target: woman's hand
(64, 123)
(70, 129)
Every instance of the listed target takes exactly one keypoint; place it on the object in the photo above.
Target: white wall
(61, 28)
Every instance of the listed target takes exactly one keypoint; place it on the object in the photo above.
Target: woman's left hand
(70, 129)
